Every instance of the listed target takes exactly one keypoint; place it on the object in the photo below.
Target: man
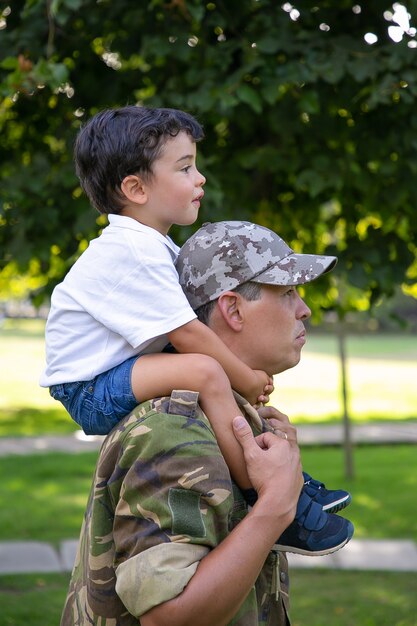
(167, 539)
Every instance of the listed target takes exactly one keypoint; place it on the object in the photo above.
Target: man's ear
(134, 189)
(230, 307)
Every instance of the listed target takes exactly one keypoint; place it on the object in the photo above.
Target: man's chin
(278, 369)
(295, 361)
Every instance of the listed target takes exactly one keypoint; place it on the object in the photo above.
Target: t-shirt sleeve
(147, 302)
(173, 508)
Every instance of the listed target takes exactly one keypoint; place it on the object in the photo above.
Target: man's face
(274, 332)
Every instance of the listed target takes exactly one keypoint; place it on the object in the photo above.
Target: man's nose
(304, 312)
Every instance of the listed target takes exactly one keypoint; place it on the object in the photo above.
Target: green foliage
(309, 129)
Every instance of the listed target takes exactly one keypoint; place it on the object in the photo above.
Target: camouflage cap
(222, 255)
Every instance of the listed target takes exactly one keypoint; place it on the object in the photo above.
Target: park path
(359, 554)
(308, 434)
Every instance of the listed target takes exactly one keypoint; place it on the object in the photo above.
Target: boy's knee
(209, 371)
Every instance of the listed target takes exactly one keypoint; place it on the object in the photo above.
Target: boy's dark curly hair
(123, 141)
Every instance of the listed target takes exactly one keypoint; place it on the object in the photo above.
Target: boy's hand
(268, 387)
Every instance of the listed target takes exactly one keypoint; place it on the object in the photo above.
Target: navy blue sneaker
(330, 500)
(313, 531)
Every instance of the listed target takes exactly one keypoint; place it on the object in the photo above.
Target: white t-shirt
(120, 299)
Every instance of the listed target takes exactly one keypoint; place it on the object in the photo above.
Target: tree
(310, 128)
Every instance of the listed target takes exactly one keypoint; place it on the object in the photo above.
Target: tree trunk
(347, 430)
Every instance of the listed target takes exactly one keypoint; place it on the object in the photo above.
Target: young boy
(121, 303)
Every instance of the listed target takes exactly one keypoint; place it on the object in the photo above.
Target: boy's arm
(196, 337)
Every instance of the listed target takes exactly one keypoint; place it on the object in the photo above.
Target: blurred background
(310, 119)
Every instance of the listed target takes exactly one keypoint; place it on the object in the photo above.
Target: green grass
(338, 598)
(319, 598)
(32, 600)
(382, 491)
(43, 496)
(31, 421)
(58, 486)
(381, 371)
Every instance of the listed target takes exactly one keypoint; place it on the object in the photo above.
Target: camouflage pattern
(161, 498)
(222, 255)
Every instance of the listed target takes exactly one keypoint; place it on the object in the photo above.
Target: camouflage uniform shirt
(161, 499)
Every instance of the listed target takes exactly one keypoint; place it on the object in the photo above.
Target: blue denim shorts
(98, 405)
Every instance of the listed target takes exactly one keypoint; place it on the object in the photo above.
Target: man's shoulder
(182, 403)
(168, 418)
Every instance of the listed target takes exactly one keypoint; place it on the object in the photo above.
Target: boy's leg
(155, 375)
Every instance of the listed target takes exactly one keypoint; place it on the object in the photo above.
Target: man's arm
(227, 574)
(196, 337)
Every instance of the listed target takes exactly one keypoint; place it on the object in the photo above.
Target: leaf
(249, 96)
(309, 102)
(312, 182)
(269, 44)
(364, 66)
(10, 63)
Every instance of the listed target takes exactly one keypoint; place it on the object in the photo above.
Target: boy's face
(174, 191)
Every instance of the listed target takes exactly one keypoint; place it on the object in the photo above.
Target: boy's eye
(186, 168)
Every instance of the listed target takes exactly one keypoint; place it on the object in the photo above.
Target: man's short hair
(128, 140)
(223, 255)
(249, 291)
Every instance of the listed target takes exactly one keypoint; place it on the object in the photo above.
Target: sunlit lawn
(25, 407)
(382, 371)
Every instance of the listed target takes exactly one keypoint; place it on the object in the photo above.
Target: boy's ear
(230, 307)
(134, 189)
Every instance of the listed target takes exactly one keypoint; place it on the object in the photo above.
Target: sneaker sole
(338, 505)
(282, 548)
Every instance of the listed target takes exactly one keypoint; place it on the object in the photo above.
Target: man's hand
(274, 468)
(279, 422)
